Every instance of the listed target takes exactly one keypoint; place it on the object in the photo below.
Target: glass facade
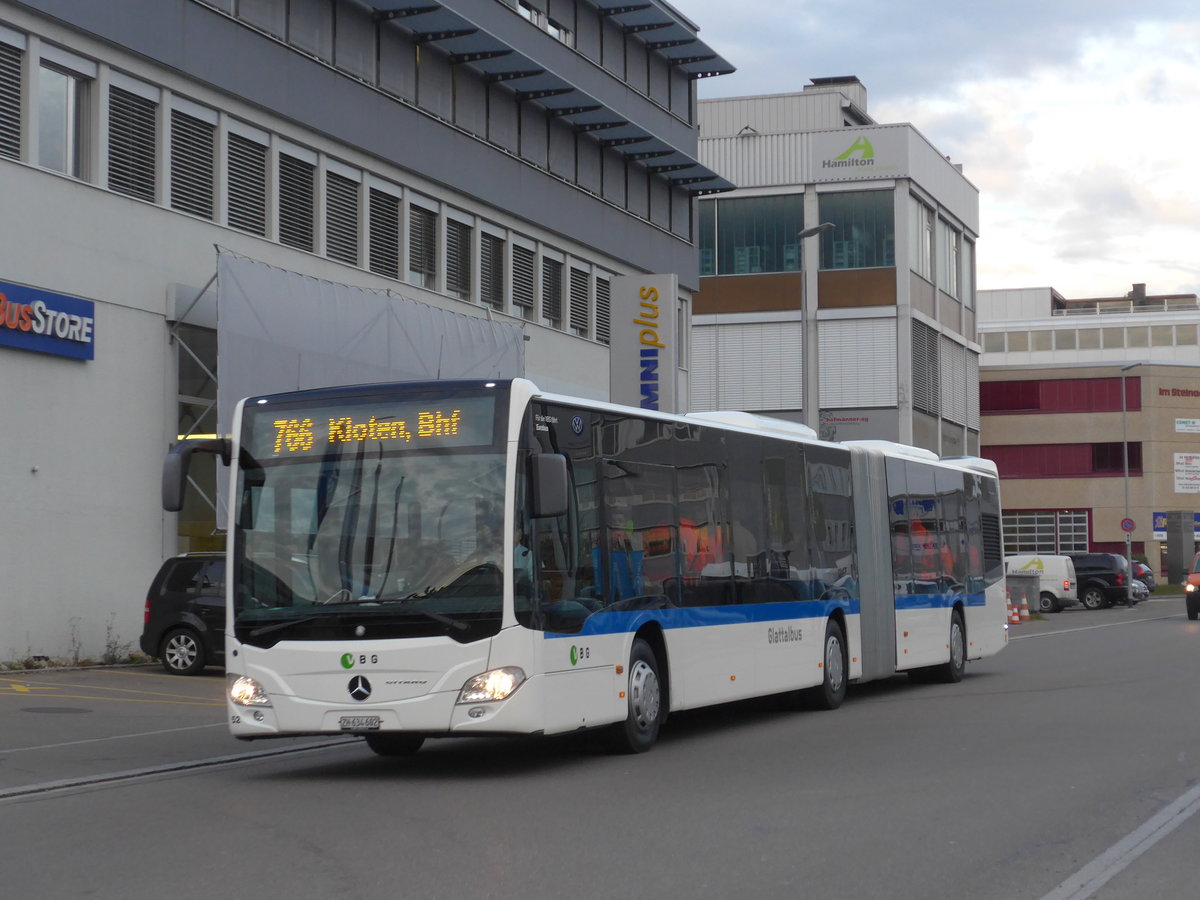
(864, 232)
(750, 235)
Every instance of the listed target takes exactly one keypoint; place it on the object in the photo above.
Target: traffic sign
(1127, 525)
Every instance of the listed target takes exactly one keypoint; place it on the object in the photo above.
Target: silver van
(1058, 587)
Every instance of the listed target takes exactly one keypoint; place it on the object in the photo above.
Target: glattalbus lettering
(786, 635)
(651, 344)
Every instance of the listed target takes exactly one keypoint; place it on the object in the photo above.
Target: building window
(297, 182)
(491, 269)
(921, 244)
(1089, 338)
(1185, 335)
(1138, 336)
(706, 214)
(580, 309)
(864, 235)
(132, 144)
(925, 381)
(1160, 336)
(949, 241)
(552, 276)
(193, 151)
(422, 246)
(458, 259)
(993, 342)
(10, 101)
(530, 12)
(1113, 338)
(560, 32)
(341, 218)
(246, 178)
(1041, 340)
(968, 274)
(1018, 341)
(1046, 531)
(1062, 395)
(522, 289)
(1064, 340)
(384, 233)
(62, 105)
(754, 234)
(1088, 460)
(603, 310)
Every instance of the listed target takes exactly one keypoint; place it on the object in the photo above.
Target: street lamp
(810, 388)
(1125, 458)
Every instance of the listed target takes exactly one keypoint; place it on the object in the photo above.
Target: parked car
(1144, 574)
(1058, 585)
(1102, 578)
(184, 621)
(1140, 591)
(1191, 587)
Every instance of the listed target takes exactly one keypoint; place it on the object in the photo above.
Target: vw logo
(360, 688)
(577, 424)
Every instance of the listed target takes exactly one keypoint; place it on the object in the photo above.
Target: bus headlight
(247, 692)
(498, 684)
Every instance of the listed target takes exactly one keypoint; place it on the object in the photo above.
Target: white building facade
(501, 159)
(884, 295)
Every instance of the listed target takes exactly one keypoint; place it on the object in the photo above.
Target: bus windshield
(374, 517)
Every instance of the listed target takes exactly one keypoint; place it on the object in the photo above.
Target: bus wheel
(644, 695)
(832, 690)
(951, 672)
(395, 744)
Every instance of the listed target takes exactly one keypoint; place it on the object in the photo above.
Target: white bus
(473, 558)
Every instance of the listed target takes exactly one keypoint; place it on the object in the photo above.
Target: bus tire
(832, 690)
(395, 743)
(644, 699)
(951, 671)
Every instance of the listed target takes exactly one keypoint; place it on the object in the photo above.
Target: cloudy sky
(1078, 120)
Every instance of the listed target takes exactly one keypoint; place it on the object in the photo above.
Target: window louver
(491, 270)
(247, 176)
(522, 277)
(341, 218)
(925, 381)
(552, 291)
(296, 182)
(422, 244)
(580, 312)
(10, 101)
(603, 311)
(192, 153)
(385, 234)
(132, 138)
(458, 258)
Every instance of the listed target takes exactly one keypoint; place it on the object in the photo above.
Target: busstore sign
(32, 319)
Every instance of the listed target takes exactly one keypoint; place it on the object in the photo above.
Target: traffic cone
(1014, 617)
(1024, 610)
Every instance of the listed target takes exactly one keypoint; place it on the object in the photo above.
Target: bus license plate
(359, 723)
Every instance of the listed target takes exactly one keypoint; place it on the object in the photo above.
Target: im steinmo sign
(43, 322)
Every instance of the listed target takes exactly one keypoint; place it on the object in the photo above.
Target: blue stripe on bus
(627, 621)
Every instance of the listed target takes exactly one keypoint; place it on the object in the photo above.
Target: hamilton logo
(360, 688)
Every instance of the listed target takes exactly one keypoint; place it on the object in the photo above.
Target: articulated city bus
(471, 558)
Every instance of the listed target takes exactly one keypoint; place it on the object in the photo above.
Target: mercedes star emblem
(360, 688)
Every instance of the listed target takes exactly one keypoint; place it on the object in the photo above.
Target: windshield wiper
(279, 626)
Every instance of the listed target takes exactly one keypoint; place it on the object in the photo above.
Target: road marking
(1108, 865)
(112, 737)
(1022, 637)
(23, 688)
(150, 771)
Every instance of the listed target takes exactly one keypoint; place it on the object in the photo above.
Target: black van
(184, 622)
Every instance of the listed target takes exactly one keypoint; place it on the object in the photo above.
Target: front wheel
(182, 652)
(1093, 598)
(639, 731)
(1193, 607)
(395, 744)
(951, 671)
(1048, 603)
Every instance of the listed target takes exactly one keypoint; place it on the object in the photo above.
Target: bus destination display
(453, 422)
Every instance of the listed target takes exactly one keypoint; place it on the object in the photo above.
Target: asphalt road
(1065, 767)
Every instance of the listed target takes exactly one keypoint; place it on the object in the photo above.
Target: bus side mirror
(550, 485)
(175, 467)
